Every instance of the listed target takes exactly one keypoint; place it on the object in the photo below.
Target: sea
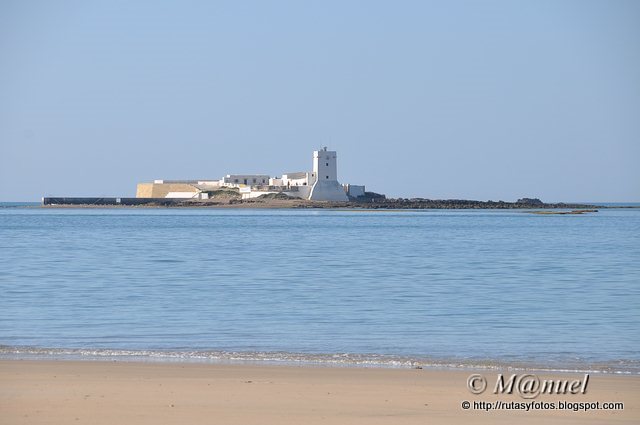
(431, 288)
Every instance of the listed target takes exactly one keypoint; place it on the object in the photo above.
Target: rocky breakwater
(423, 203)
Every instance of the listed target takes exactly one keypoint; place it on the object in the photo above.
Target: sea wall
(84, 201)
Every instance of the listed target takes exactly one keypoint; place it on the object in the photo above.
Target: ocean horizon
(434, 288)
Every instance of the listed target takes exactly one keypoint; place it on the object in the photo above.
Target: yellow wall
(160, 190)
(144, 190)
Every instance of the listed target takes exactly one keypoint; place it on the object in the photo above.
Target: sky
(487, 100)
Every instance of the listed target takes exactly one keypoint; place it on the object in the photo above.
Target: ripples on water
(433, 287)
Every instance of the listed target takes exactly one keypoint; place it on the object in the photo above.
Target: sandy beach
(63, 392)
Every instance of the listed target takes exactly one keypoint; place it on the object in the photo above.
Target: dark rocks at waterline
(421, 203)
(530, 201)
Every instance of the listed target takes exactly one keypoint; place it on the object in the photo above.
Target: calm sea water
(432, 287)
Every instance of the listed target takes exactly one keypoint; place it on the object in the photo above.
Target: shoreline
(295, 203)
(62, 392)
(321, 360)
(300, 204)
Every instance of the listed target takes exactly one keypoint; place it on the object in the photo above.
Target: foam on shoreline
(625, 367)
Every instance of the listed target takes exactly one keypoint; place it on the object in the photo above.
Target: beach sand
(75, 392)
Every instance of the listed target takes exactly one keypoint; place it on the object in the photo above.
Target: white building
(320, 184)
(300, 178)
(244, 179)
(325, 174)
(353, 190)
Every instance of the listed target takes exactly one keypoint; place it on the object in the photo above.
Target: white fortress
(320, 184)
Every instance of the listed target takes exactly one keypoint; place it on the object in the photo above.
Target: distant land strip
(286, 202)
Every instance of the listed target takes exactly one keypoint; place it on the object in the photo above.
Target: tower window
(327, 177)
(327, 164)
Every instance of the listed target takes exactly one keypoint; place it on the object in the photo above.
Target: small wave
(628, 367)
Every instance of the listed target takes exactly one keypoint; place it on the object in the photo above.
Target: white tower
(325, 165)
(325, 171)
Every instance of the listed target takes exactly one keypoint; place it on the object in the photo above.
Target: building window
(327, 177)
(254, 180)
(235, 180)
(327, 164)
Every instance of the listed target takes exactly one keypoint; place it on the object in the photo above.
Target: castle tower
(325, 164)
(325, 172)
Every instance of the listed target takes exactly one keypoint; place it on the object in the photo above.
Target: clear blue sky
(438, 99)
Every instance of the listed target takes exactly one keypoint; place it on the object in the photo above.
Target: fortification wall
(329, 190)
(144, 190)
(160, 190)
